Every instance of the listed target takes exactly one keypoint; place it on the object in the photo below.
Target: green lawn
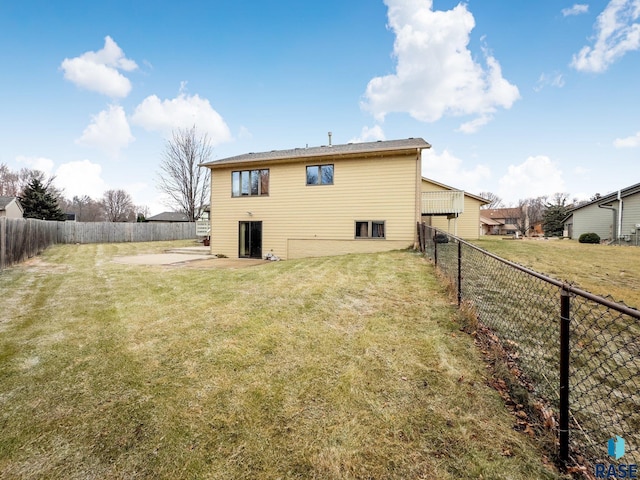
(334, 368)
(600, 269)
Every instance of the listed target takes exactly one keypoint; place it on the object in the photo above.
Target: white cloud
(576, 9)
(553, 80)
(99, 71)
(244, 133)
(617, 32)
(109, 131)
(535, 177)
(80, 178)
(436, 73)
(448, 169)
(184, 111)
(475, 124)
(37, 163)
(628, 142)
(369, 135)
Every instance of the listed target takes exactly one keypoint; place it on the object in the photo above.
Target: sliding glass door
(250, 240)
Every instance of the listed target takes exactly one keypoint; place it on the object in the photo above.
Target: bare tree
(118, 206)
(528, 213)
(86, 208)
(518, 216)
(537, 207)
(559, 198)
(142, 212)
(494, 200)
(186, 184)
(9, 185)
(12, 184)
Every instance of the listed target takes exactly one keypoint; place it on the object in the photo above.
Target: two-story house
(307, 202)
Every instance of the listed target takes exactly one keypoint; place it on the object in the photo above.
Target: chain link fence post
(565, 318)
(435, 248)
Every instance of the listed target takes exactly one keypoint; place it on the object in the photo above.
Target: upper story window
(245, 183)
(320, 175)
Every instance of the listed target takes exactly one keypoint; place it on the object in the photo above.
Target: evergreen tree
(552, 219)
(38, 202)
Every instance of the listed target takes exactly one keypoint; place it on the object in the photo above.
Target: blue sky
(518, 98)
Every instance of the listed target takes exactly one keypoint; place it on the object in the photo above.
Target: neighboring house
(10, 207)
(465, 215)
(614, 217)
(488, 226)
(168, 217)
(500, 221)
(306, 202)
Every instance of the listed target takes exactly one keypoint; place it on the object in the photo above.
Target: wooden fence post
(3, 242)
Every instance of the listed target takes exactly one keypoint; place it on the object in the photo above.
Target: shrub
(589, 238)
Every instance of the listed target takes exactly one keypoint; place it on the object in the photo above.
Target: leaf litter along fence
(579, 353)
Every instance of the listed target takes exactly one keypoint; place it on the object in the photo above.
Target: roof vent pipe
(329, 138)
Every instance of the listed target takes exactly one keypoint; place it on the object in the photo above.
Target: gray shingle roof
(168, 217)
(608, 198)
(332, 151)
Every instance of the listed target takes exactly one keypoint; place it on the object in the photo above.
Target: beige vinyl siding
(304, 218)
(303, 248)
(468, 221)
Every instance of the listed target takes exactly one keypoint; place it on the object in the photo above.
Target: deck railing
(442, 203)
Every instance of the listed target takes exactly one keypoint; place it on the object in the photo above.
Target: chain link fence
(578, 353)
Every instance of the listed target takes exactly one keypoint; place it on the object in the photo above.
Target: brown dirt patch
(230, 263)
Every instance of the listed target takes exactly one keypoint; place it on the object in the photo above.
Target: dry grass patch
(601, 269)
(343, 368)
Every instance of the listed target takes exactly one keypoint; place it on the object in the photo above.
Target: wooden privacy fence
(108, 232)
(24, 238)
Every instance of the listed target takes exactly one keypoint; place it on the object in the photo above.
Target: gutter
(617, 218)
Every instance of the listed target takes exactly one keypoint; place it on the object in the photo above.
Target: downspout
(418, 201)
(619, 216)
(614, 230)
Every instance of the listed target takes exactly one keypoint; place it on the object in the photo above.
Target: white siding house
(613, 217)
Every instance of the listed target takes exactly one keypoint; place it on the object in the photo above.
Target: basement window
(370, 229)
